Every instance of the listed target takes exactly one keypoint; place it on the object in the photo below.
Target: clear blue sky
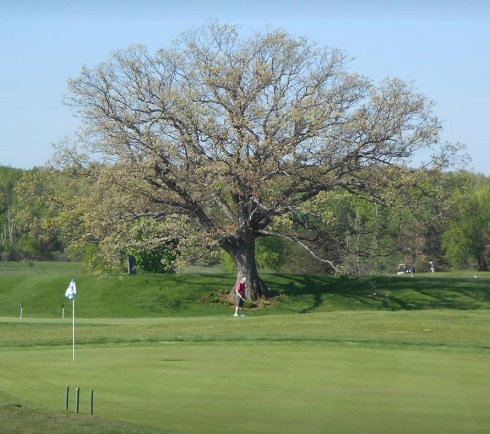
(439, 45)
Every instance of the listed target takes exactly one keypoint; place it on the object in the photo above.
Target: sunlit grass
(402, 354)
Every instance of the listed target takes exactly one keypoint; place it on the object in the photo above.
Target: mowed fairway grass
(411, 355)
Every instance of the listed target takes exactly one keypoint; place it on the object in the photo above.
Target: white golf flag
(71, 291)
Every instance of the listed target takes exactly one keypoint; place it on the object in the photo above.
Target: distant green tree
(441, 206)
(9, 234)
(37, 218)
(467, 238)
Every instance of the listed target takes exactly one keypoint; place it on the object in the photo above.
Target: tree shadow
(417, 292)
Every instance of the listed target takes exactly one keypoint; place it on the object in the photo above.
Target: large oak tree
(218, 140)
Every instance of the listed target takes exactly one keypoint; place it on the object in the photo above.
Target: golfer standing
(240, 296)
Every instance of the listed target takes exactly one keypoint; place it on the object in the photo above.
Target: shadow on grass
(321, 293)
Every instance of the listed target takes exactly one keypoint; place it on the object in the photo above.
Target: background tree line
(448, 223)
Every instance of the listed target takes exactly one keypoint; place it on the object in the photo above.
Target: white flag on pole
(71, 291)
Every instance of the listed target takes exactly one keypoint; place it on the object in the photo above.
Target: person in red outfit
(240, 296)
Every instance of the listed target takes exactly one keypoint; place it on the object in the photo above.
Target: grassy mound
(40, 289)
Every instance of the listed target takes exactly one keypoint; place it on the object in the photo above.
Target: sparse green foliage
(270, 253)
(160, 259)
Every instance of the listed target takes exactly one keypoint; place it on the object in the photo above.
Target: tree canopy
(218, 140)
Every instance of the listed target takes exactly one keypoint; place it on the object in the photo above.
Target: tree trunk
(242, 250)
(482, 263)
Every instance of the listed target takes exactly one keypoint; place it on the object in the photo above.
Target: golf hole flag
(71, 291)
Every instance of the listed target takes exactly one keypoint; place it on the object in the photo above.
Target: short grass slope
(40, 289)
(379, 355)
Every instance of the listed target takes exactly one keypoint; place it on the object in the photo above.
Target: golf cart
(402, 269)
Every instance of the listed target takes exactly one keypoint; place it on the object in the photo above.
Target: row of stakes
(21, 306)
(77, 400)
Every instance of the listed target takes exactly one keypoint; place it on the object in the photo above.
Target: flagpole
(73, 327)
(70, 293)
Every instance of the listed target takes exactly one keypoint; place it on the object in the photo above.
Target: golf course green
(330, 355)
